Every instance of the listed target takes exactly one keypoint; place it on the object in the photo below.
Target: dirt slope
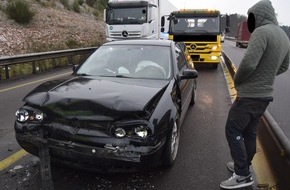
(52, 28)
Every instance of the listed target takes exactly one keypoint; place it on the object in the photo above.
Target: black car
(121, 109)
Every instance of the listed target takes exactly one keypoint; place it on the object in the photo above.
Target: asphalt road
(279, 108)
(201, 161)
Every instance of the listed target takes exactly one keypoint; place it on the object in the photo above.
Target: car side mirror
(189, 74)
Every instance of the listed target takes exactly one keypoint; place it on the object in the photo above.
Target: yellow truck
(200, 30)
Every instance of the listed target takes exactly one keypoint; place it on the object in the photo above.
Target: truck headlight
(214, 48)
(214, 57)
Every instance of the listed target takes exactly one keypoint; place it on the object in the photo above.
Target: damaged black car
(122, 109)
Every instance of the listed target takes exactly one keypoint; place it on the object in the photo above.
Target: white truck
(135, 19)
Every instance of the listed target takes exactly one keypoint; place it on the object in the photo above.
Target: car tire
(171, 146)
(193, 96)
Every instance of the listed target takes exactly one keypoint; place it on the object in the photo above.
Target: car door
(185, 85)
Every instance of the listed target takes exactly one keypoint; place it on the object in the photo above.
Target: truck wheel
(171, 146)
(214, 65)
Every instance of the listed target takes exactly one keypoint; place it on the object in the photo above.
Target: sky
(236, 6)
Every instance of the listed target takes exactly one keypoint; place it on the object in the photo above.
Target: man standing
(267, 55)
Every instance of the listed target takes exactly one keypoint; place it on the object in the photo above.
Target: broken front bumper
(88, 157)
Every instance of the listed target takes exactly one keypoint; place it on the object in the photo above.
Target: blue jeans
(241, 130)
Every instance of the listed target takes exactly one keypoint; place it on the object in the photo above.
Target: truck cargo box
(243, 35)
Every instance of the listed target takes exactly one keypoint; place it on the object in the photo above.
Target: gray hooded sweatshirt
(267, 54)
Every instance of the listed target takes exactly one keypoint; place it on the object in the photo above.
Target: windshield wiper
(122, 76)
(82, 74)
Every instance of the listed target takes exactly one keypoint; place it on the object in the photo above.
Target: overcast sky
(236, 6)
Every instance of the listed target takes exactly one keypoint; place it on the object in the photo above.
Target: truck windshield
(195, 24)
(134, 15)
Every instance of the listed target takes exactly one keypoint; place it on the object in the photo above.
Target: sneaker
(231, 166)
(237, 181)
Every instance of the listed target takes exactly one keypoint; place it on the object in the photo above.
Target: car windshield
(130, 61)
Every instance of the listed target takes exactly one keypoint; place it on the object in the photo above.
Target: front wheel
(193, 94)
(171, 147)
(214, 65)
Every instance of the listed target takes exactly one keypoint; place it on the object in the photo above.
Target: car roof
(141, 42)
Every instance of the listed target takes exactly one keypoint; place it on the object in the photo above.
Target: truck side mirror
(162, 21)
(228, 23)
(162, 24)
(227, 30)
(175, 21)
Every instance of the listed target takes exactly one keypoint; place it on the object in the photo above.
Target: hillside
(53, 27)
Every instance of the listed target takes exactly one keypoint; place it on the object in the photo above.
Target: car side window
(180, 57)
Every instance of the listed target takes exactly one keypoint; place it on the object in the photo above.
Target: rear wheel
(171, 147)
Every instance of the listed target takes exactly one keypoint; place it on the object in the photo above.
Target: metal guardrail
(5, 62)
(276, 143)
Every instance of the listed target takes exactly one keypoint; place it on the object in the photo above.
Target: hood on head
(260, 14)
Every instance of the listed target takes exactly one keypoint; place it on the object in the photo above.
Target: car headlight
(23, 115)
(131, 129)
(120, 132)
(141, 131)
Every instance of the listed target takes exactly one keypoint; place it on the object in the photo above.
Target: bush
(71, 43)
(101, 4)
(81, 2)
(91, 3)
(76, 6)
(19, 11)
(65, 3)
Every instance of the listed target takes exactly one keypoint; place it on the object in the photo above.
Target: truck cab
(200, 30)
(131, 19)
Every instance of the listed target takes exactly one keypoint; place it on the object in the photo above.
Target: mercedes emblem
(125, 33)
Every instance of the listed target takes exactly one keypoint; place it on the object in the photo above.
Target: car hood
(95, 97)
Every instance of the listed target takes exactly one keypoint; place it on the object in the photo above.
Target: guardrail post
(33, 67)
(45, 169)
(54, 63)
(69, 59)
(6, 72)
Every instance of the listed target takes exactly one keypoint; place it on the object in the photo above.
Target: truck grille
(126, 34)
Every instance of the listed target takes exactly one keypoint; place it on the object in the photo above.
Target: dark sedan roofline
(140, 42)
